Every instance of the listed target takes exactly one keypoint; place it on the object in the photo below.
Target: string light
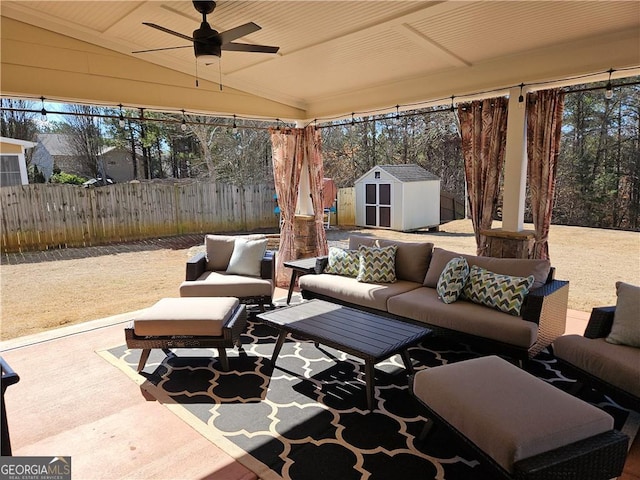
(234, 128)
(121, 117)
(397, 112)
(521, 97)
(183, 125)
(417, 105)
(43, 112)
(608, 92)
(453, 109)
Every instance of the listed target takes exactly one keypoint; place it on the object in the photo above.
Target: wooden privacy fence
(36, 217)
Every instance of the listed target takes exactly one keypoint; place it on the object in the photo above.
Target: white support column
(305, 206)
(515, 168)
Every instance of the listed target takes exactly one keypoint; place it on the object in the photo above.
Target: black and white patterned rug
(307, 419)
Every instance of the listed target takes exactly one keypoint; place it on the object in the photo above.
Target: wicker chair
(587, 357)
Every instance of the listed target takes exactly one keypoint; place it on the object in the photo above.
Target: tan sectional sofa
(413, 297)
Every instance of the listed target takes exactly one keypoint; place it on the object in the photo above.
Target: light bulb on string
(183, 125)
(121, 117)
(43, 112)
(608, 91)
(234, 128)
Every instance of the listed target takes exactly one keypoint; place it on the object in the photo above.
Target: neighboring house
(118, 163)
(13, 165)
(56, 149)
(398, 197)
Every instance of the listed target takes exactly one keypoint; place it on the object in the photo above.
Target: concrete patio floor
(71, 402)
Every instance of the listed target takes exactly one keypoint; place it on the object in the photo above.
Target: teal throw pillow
(452, 279)
(377, 264)
(503, 292)
(343, 262)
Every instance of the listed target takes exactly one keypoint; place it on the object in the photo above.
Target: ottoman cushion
(186, 316)
(506, 412)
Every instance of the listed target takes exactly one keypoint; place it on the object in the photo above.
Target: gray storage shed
(398, 197)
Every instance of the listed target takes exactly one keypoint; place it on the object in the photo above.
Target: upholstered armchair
(607, 356)
(232, 266)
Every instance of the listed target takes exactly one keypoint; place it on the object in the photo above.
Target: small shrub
(69, 178)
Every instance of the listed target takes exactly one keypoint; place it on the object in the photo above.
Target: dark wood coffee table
(364, 335)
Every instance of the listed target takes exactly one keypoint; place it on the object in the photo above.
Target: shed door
(378, 205)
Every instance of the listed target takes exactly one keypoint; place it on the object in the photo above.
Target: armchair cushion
(626, 322)
(246, 257)
(218, 249)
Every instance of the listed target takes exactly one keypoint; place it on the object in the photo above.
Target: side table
(298, 268)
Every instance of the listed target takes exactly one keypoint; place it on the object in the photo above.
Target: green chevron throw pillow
(503, 292)
(343, 262)
(377, 264)
(452, 279)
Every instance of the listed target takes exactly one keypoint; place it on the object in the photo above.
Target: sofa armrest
(321, 264)
(600, 322)
(268, 265)
(547, 306)
(196, 266)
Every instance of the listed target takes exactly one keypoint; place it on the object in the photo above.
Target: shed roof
(408, 173)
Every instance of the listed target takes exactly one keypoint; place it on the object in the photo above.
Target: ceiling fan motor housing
(206, 41)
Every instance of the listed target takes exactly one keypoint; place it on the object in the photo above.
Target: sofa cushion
(504, 292)
(343, 262)
(412, 258)
(377, 264)
(218, 249)
(626, 319)
(618, 365)
(221, 284)
(246, 257)
(422, 304)
(453, 279)
(349, 290)
(517, 267)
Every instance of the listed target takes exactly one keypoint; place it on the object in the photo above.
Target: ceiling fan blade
(160, 49)
(244, 47)
(166, 30)
(235, 33)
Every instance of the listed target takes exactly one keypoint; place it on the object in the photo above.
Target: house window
(376, 175)
(10, 170)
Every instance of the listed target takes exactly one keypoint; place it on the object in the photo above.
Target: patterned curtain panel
(313, 143)
(287, 153)
(483, 128)
(544, 124)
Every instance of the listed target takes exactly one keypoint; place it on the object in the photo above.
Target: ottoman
(519, 424)
(191, 322)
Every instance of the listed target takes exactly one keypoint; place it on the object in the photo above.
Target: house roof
(57, 144)
(335, 57)
(405, 173)
(15, 141)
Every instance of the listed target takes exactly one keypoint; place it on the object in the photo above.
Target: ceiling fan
(208, 43)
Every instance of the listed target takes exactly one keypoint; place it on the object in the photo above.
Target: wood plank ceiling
(336, 57)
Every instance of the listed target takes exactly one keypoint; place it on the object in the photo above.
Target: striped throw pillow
(502, 292)
(452, 279)
(343, 262)
(377, 264)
